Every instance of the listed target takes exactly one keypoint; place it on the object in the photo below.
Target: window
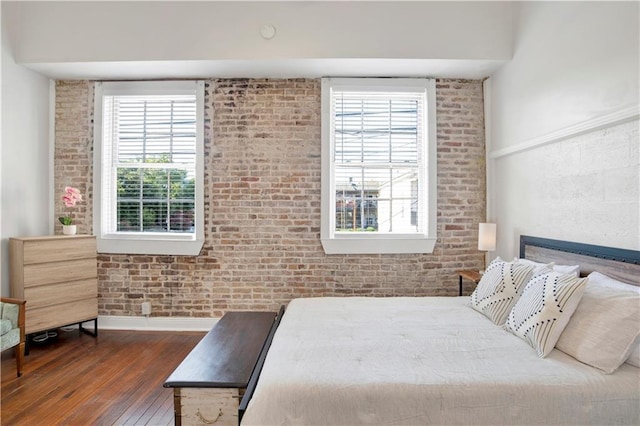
(148, 167)
(378, 165)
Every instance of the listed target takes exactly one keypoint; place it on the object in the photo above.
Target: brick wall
(262, 205)
(73, 156)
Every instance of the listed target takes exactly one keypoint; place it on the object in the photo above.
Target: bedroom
(563, 69)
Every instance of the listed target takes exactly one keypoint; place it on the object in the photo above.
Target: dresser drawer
(59, 272)
(58, 249)
(40, 319)
(197, 406)
(55, 294)
(58, 277)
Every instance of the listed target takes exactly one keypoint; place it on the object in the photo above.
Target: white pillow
(562, 269)
(634, 357)
(604, 327)
(601, 280)
(538, 268)
(544, 309)
(499, 289)
(606, 281)
(567, 269)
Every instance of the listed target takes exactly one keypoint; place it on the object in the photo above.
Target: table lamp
(486, 239)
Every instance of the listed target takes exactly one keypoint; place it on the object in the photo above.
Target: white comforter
(425, 361)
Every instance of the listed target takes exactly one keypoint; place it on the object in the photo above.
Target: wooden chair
(12, 312)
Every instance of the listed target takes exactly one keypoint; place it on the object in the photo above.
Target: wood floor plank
(151, 408)
(88, 380)
(75, 379)
(152, 383)
(166, 415)
(115, 382)
(126, 392)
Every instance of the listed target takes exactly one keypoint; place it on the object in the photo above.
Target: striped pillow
(499, 289)
(544, 309)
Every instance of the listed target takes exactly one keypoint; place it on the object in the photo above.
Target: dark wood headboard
(621, 264)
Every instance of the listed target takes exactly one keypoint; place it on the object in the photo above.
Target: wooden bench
(210, 382)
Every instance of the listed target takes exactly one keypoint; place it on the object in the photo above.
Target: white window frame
(146, 242)
(374, 242)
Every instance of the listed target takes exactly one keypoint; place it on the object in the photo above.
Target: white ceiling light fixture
(268, 31)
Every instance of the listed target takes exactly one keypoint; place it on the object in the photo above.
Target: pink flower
(72, 195)
(68, 201)
(70, 198)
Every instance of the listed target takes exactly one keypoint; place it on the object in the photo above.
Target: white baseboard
(155, 323)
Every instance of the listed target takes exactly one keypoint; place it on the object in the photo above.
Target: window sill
(146, 245)
(378, 245)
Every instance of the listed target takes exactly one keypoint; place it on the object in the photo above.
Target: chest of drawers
(58, 277)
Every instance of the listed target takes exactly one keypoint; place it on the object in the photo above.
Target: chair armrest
(12, 300)
(21, 312)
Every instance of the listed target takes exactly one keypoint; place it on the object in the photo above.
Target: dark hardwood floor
(75, 379)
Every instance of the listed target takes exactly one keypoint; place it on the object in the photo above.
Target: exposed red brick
(262, 205)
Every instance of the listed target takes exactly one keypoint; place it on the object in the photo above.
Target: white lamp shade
(487, 237)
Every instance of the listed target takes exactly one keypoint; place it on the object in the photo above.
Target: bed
(434, 360)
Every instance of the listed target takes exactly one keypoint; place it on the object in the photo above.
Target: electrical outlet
(146, 308)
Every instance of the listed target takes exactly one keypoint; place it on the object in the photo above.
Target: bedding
(425, 360)
(606, 324)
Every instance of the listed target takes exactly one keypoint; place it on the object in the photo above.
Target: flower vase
(69, 229)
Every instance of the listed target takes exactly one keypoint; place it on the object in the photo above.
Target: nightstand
(470, 275)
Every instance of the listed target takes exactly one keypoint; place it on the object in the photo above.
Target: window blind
(152, 162)
(378, 140)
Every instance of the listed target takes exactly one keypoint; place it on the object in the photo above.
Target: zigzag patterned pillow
(544, 310)
(499, 289)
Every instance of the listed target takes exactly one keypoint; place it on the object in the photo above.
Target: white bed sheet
(425, 361)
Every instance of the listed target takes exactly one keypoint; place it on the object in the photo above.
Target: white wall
(24, 153)
(562, 126)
